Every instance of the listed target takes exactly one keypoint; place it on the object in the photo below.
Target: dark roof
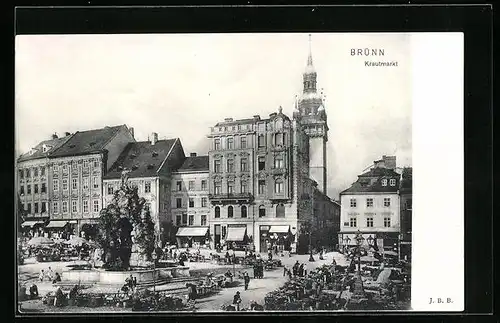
(141, 158)
(379, 171)
(196, 163)
(371, 181)
(236, 122)
(54, 143)
(87, 142)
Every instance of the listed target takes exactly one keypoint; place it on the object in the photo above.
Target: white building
(371, 205)
(190, 204)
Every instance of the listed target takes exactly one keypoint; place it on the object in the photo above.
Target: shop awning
(56, 224)
(236, 234)
(279, 229)
(30, 223)
(191, 232)
(72, 221)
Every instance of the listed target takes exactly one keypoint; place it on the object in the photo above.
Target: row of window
(147, 188)
(278, 187)
(279, 163)
(183, 220)
(239, 127)
(74, 183)
(36, 171)
(191, 185)
(392, 182)
(278, 140)
(178, 202)
(64, 207)
(353, 223)
(27, 172)
(280, 211)
(369, 202)
(36, 188)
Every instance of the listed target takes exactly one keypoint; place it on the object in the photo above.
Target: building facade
(372, 206)
(406, 200)
(33, 183)
(75, 172)
(264, 175)
(149, 166)
(190, 203)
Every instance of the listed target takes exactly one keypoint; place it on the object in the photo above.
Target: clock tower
(312, 115)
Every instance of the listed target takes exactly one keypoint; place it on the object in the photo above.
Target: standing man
(305, 270)
(246, 279)
(237, 300)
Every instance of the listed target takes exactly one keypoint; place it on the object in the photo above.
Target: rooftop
(142, 159)
(38, 151)
(371, 181)
(197, 163)
(87, 142)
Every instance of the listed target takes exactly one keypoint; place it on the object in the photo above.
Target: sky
(179, 85)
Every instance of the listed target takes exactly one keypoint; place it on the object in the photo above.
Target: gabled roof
(196, 163)
(142, 159)
(38, 149)
(371, 181)
(379, 171)
(87, 142)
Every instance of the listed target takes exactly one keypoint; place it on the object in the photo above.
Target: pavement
(258, 288)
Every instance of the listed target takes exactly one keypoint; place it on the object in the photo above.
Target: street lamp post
(311, 258)
(234, 260)
(155, 256)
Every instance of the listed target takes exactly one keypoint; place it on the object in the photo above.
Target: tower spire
(310, 58)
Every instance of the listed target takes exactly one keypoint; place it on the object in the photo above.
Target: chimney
(228, 119)
(54, 135)
(389, 161)
(154, 138)
(256, 117)
(131, 129)
(67, 134)
(192, 155)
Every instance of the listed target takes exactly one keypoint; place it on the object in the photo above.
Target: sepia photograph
(265, 172)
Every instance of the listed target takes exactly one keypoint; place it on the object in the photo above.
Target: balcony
(228, 198)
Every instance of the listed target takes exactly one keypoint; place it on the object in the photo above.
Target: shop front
(56, 229)
(192, 237)
(32, 228)
(275, 238)
(236, 237)
(386, 243)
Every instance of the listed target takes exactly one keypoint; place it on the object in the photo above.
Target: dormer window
(73, 146)
(384, 182)
(392, 182)
(92, 144)
(151, 166)
(135, 167)
(46, 148)
(132, 156)
(155, 154)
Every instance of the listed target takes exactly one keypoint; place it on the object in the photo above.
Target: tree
(126, 214)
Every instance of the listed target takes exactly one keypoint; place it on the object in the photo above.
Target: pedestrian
(237, 300)
(301, 270)
(305, 270)
(57, 278)
(246, 279)
(175, 254)
(50, 273)
(295, 268)
(192, 292)
(41, 276)
(59, 297)
(289, 274)
(284, 271)
(33, 291)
